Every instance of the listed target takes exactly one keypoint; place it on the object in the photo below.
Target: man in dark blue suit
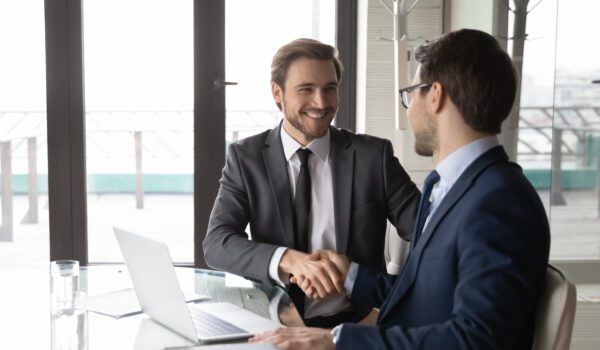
(480, 249)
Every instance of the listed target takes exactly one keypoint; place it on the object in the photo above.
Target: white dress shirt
(321, 217)
(449, 169)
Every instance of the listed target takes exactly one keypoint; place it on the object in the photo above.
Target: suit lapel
(342, 173)
(276, 166)
(464, 182)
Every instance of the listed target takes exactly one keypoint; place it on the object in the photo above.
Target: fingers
(325, 272)
(275, 337)
(305, 285)
(296, 280)
(315, 255)
(316, 282)
(330, 278)
(321, 285)
(297, 338)
(309, 290)
(340, 261)
(334, 274)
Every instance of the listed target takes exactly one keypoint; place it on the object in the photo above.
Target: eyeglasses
(405, 93)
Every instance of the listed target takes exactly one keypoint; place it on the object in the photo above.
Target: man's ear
(277, 93)
(437, 97)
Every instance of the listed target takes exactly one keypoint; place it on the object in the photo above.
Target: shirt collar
(320, 146)
(456, 162)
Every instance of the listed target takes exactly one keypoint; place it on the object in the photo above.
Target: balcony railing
(152, 151)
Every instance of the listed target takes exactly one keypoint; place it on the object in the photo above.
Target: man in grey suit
(307, 186)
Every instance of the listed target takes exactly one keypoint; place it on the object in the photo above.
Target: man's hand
(324, 276)
(297, 338)
(306, 284)
(340, 261)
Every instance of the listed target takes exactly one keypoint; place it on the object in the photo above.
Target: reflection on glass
(271, 302)
(139, 123)
(574, 192)
(559, 129)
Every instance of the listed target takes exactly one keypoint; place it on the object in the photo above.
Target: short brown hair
(475, 72)
(302, 48)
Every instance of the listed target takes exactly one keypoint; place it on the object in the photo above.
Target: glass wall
(23, 141)
(139, 123)
(24, 233)
(251, 43)
(559, 126)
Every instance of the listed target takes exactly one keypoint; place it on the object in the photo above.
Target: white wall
(376, 90)
(462, 11)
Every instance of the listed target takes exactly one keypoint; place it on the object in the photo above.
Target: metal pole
(510, 133)
(6, 230)
(556, 196)
(32, 214)
(139, 180)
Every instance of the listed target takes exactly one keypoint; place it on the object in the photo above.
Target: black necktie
(302, 202)
(301, 212)
(424, 205)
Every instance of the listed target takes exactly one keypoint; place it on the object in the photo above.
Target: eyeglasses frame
(409, 89)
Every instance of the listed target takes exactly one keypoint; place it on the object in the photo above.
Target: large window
(136, 117)
(559, 126)
(250, 46)
(139, 99)
(24, 243)
(139, 123)
(23, 151)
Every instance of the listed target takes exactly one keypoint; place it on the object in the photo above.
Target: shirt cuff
(351, 278)
(274, 267)
(335, 333)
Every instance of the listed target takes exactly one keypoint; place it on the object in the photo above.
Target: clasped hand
(320, 274)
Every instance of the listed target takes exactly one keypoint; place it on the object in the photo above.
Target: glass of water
(69, 324)
(64, 285)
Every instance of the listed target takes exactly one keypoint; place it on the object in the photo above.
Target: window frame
(66, 117)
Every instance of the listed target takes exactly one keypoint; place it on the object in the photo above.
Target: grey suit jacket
(369, 186)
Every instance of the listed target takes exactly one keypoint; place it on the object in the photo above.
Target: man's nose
(319, 99)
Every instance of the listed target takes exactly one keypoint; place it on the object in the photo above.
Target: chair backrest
(555, 312)
(396, 250)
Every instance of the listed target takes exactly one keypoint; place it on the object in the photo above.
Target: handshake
(319, 275)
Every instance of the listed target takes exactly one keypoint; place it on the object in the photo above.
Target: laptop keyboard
(208, 325)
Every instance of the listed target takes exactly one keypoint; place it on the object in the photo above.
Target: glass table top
(27, 323)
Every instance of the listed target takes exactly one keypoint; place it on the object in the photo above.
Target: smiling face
(309, 99)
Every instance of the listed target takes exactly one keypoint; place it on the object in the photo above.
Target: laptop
(158, 292)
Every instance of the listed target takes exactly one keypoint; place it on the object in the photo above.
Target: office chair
(555, 313)
(396, 250)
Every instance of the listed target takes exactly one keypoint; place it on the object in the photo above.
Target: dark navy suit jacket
(473, 279)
